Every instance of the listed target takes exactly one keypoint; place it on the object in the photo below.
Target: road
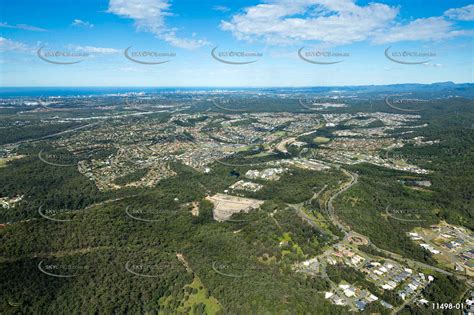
(81, 127)
(281, 146)
(309, 219)
(51, 135)
(347, 230)
(329, 207)
(405, 303)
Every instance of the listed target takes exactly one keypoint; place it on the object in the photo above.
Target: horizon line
(232, 87)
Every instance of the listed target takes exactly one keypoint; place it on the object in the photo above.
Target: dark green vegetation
(119, 249)
(364, 208)
(55, 188)
(452, 161)
(101, 240)
(297, 186)
(13, 132)
(449, 198)
(445, 288)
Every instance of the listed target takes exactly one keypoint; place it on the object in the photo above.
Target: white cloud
(429, 29)
(92, 49)
(10, 45)
(186, 43)
(82, 23)
(434, 65)
(463, 14)
(149, 15)
(286, 21)
(22, 27)
(220, 8)
(338, 22)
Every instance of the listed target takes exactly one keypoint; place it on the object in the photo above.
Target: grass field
(261, 154)
(4, 161)
(321, 140)
(201, 296)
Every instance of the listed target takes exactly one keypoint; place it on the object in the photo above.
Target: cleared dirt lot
(225, 205)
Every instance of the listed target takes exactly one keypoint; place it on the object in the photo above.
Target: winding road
(329, 208)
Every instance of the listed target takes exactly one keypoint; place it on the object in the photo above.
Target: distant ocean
(83, 91)
(441, 89)
(7, 92)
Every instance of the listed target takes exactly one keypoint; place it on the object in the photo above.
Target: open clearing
(4, 161)
(321, 140)
(225, 205)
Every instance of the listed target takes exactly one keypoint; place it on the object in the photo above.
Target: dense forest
(97, 258)
(97, 240)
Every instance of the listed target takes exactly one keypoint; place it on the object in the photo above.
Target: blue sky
(340, 42)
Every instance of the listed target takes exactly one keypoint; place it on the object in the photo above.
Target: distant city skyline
(280, 43)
